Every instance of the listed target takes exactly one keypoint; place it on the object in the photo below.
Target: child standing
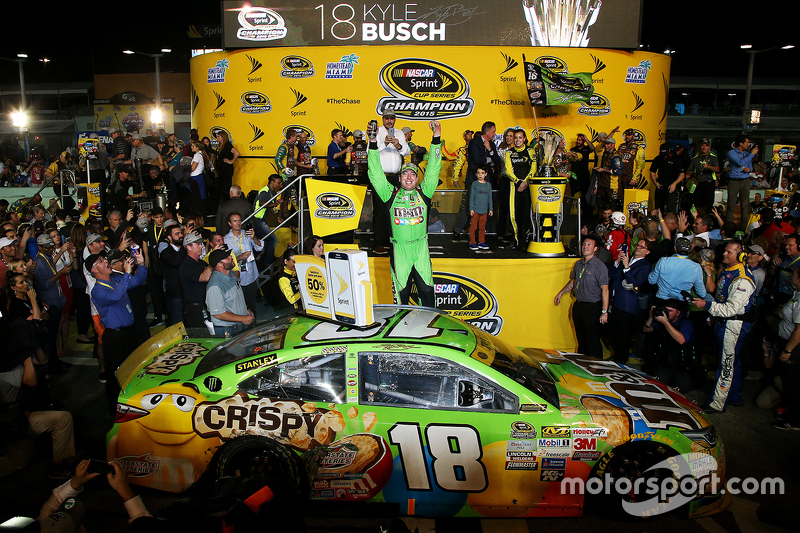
(480, 205)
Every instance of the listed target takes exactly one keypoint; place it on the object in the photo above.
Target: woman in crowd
(520, 166)
(316, 247)
(787, 351)
(77, 237)
(226, 157)
(197, 182)
(64, 255)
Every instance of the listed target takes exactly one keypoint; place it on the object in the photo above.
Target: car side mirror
(471, 394)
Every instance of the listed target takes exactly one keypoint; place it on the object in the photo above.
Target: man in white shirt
(245, 244)
(393, 148)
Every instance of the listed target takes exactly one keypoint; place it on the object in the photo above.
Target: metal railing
(265, 275)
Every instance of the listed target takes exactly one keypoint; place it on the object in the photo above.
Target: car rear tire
(263, 458)
(630, 461)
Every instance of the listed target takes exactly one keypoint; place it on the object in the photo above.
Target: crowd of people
(675, 287)
(683, 293)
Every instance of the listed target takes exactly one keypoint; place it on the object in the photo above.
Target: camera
(659, 310)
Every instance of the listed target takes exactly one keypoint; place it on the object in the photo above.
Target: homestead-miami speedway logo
(424, 89)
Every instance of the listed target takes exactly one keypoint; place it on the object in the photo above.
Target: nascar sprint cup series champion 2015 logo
(423, 89)
(466, 299)
(334, 205)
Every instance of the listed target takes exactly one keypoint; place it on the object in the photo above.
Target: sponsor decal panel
(139, 466)
(552, 475)
(548, 193)
(554, 463)
(260, 362)
(555, 431)
(586, 456)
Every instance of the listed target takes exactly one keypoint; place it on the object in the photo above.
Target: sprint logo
(299, 98)
(220, 100)
(255, 64)
(343, 285)
(257, 133)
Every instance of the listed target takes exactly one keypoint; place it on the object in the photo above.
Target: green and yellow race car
(421, 409)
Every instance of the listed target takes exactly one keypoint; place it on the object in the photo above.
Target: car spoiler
(141, 355)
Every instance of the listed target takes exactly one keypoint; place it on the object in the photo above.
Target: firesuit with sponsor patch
(732, 302)
(633, 163)
(520, 169)
(408, 214)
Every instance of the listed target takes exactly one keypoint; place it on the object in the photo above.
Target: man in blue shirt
(110, 297)
(336, 153)
(741, 161)
(48, 288)
(678, 273)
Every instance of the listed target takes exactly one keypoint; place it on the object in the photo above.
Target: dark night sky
(706, 38)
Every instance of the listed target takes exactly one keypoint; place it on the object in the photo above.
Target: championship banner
(334, 207)
(546, 87)
(256, 95)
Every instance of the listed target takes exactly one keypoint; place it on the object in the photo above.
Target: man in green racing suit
(408, 212)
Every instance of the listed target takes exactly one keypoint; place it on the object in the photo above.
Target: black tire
(629, 461)
(262, 458)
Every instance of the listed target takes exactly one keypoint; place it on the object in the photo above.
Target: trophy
(547, 200)
(560, 22)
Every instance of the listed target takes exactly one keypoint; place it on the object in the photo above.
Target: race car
(420, 409)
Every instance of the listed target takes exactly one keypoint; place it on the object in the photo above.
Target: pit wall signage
(342, 86)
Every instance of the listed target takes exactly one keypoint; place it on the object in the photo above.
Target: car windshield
(258, 341)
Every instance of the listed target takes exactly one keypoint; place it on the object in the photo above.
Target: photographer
(669, 346)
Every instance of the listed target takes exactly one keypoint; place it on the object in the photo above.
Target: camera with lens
(659, 310)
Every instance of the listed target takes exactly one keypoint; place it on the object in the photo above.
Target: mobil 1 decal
(466, 299)
(422, 89)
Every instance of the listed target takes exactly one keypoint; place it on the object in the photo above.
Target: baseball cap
(706, 140)
(45, 240)
(216, 256)
(467, 131)
(610, 140)
(136, 136)
(759, 250)
(409, 166)
(112, 130)
(629, 131)
(406, 129)
(5, 241)
(169, 223)
(358, 134)
(92, 259)
(683, 245)
(389, 113)
(93, 237)
(192, 238)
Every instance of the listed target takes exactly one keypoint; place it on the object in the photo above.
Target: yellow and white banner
(257, 94)
(511, 298)
(334, 207)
